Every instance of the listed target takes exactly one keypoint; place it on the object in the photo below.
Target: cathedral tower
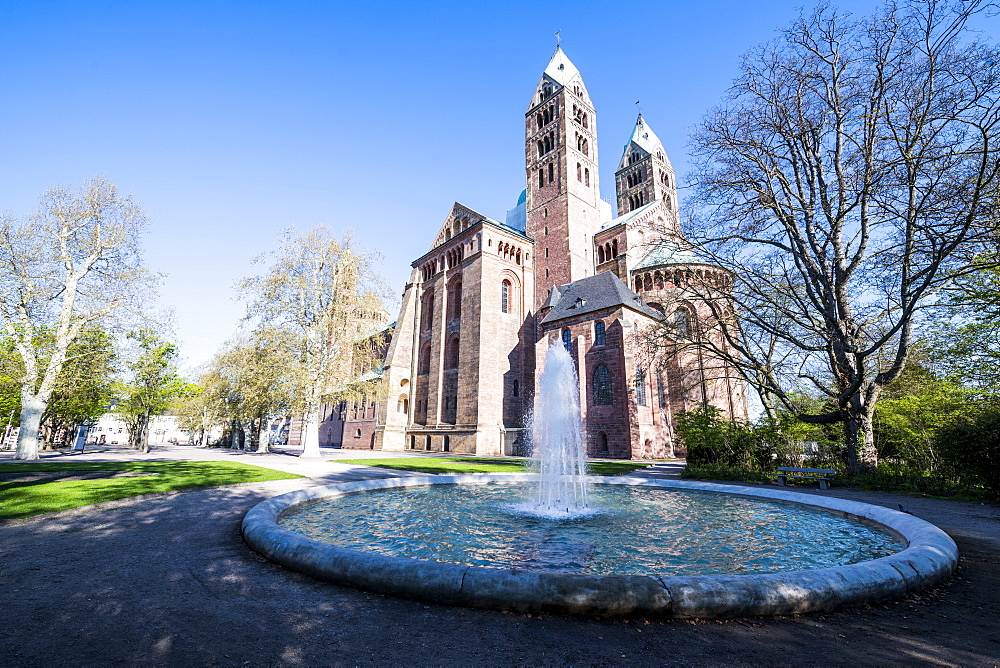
(644, 173)
(563, 200)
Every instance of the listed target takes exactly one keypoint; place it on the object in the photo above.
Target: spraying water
(557, 435)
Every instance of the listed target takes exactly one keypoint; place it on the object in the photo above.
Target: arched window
(602, 443)
(660, 392)
(447, 444)
(614, 248)
(357, 433)
(427, 310)
(602, 386)
(552, 172)
(586, 176)
(505, 297)
(425, 359)
(579, 172)
(401, 405)
(516, 387)
(451, 353)
(567, 337)
(599, 333)
(640, 387)
(682, 323)
(541, 178)
(600, 253)
(455, 300)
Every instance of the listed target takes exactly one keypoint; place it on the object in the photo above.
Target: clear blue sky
(232, 120)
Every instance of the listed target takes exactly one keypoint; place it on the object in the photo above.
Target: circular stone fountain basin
(667, 590)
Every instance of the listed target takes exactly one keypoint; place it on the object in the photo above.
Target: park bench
(822, 476)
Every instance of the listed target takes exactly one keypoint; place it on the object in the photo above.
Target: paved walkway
(169, 581)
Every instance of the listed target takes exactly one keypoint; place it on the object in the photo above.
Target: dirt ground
(169, 581)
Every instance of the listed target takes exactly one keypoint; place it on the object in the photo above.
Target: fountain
(446, 538)
(557, 438)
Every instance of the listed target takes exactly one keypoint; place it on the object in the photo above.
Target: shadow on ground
(169, 581)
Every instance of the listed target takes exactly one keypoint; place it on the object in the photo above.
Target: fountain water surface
(557, 440)
(437, 538)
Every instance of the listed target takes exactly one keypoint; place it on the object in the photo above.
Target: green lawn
(26, 498)
(481, 465)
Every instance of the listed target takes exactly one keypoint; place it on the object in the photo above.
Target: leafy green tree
(970, 446)
(259, 373)
(83, 390)
(10, 390)
(195, 410)
(86, 385)
(912, 413)
(967, 336)
(152, 386)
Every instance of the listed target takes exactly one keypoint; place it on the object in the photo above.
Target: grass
(20, 499)
(481, 465)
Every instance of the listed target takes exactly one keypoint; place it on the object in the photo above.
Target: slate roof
(668, 252)
(595, 293)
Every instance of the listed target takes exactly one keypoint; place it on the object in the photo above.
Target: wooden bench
(822, 476)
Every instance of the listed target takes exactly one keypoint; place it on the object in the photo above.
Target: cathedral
(486, 301)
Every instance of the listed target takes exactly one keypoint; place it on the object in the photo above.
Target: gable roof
(554, 296)
(596, 293)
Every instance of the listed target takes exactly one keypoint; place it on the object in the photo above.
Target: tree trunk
(144, 435)
(861, 453)
(264, 436)
(32, 409)
(310, 434)
(236, 443)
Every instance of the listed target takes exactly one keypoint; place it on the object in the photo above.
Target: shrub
(970, 448)
(714, 442)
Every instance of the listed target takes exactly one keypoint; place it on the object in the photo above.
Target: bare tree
(326, 294)
(72, 264)
(851, 173)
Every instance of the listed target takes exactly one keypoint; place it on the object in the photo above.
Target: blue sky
(230, 121)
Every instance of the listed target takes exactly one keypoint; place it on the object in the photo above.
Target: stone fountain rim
(929, 558)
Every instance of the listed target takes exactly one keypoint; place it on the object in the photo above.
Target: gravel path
(168, 580)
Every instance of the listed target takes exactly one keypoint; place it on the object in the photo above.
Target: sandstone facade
(484, 304)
